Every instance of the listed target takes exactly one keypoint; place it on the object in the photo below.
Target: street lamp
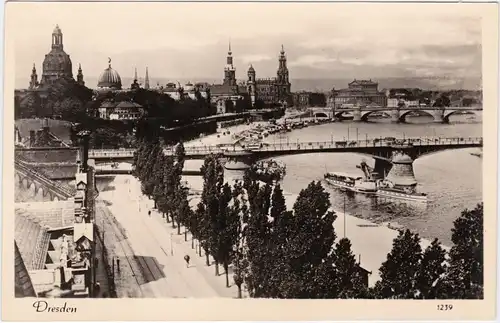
(344, 215)
(171, 248)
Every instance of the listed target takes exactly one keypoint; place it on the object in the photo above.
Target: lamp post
(344, 216)
(171, 248)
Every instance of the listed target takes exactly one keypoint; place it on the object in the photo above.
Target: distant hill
(434, 83)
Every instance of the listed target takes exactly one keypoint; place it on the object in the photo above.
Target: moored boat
(351, 182)
(401, 194)
(387, 189)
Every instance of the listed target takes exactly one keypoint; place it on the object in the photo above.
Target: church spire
(34, 78)
(135, 75)
(146, 80)
(79, 76)
(229, 70)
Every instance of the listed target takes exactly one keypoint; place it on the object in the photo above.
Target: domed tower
(251, 84)
(110, 79)
(229, 69)
(401, 174)
(57, 63)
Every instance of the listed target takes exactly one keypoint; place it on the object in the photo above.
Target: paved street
(158, 252)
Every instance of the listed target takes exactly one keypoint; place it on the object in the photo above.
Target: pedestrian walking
(149, 213)
(187, 258)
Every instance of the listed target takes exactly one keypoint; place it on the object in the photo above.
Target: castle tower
(79, 76)
(34, 78)
(229, 69)
(251, 84)
(146, 80)
(401, 173)
(283, 82)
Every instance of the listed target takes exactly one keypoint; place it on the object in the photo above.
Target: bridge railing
(315, 145)
(111, 153)
(375, 142)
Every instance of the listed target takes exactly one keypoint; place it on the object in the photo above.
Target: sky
(190, 40)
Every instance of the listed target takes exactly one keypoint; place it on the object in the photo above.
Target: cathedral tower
(283, 82)
(79, 76)
(251, 84)
(34, 78)
(229, 70)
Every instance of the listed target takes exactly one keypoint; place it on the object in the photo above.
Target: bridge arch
(320, 115)
(449, 113)
(339, 113)
(366, 114)
(403, 115)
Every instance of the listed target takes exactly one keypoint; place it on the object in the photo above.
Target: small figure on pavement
(186, 258)
(149, 213)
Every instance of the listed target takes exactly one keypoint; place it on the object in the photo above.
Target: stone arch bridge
(32, 185)
(439, 115)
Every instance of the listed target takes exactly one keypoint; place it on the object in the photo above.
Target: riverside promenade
(156, 250)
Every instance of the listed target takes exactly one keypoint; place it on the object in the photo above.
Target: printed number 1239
(444, 307)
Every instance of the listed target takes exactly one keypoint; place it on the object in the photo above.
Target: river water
(452, 179)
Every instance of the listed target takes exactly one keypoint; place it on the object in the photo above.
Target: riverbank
(371, 242)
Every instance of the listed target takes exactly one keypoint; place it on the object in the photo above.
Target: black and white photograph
(285, 151)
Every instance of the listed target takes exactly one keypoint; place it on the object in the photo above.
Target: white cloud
(310, 60)
(253, 58)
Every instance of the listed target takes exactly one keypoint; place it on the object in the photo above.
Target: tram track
(124, 245)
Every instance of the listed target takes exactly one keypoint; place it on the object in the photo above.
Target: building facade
(275, 90)
(269, 91)
(359, 92)
(309, 99)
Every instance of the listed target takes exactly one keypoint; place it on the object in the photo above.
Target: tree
(212, 185)
(312, 241)
(258, 240)
(226, 224)
(169, 188)
(399, 272)
(240, 257)
(278, 205)
(348, 272)
(432, 267)
(150, 170)
(464, 278)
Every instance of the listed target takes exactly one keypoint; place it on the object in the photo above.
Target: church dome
(251, 69)
(56, 63)
(110, 79)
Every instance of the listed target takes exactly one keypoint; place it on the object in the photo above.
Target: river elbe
(452, 179)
